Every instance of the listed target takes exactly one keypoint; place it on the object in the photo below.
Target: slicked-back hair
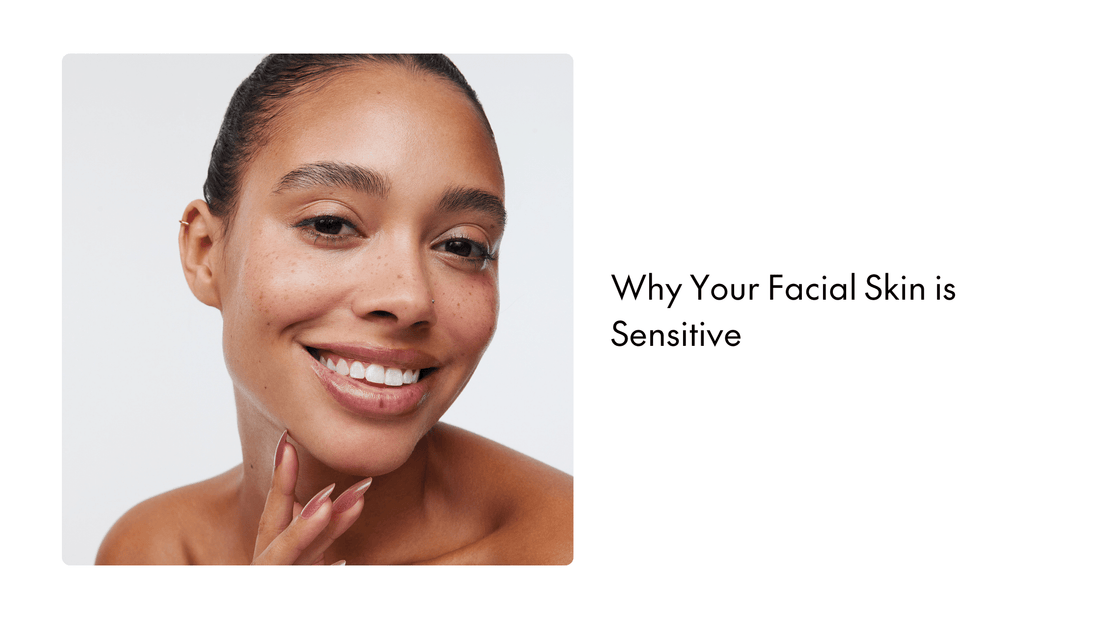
(260, 98)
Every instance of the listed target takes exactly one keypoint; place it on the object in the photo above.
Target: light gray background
(147, 403)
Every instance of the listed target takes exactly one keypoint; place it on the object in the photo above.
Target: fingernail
(350, 496)
(279, 449)
(316, 502)
(341, 562)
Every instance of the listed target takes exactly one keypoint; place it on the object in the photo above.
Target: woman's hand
(292, 534)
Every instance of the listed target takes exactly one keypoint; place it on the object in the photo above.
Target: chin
(364, 450)
(377, 462)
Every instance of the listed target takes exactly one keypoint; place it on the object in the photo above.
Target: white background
(147, 400)
(848, 459)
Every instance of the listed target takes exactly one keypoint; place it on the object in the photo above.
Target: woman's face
(365, 240)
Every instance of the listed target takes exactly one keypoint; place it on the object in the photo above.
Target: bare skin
(482, 503)
(319, 280)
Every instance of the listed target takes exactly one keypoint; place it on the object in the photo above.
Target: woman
(349, 237)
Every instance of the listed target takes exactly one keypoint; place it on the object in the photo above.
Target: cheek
(273, 290)
(471, 310)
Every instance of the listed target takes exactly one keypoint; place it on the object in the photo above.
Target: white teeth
(373, 373)
(357, 370)
(376, 374)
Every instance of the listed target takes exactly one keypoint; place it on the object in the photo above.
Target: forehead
(388, 118)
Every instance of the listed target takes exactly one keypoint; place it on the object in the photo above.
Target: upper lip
(389, 357)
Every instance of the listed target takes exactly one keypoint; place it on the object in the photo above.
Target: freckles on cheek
(285, 290)
(475, 309)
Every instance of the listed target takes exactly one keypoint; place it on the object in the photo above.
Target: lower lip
(367, 399)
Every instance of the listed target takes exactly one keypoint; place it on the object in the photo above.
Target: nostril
(383, 314)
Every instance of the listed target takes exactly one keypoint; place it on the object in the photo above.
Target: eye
(465, 248)
(331, 226)
(327, 229)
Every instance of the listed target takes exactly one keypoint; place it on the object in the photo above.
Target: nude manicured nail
(316, 502)
(279, 449)
(350, 496)
(341, 562)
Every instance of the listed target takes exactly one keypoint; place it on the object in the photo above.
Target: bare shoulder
(171, 528)
(529, 502)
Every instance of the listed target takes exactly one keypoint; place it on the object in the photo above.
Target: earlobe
(199, 233)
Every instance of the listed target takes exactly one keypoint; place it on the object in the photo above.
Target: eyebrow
(334, 174)
(467, 199)
(371, 182)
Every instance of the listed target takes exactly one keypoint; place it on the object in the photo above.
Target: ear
(200, 252)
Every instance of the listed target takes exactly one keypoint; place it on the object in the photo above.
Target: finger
(279, 507)
(287, 547)
(345, 511)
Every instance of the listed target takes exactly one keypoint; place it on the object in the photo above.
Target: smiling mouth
(373, 373)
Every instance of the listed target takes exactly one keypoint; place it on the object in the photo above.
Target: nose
(396, 288)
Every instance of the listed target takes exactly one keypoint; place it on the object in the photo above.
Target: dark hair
(258, 101)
